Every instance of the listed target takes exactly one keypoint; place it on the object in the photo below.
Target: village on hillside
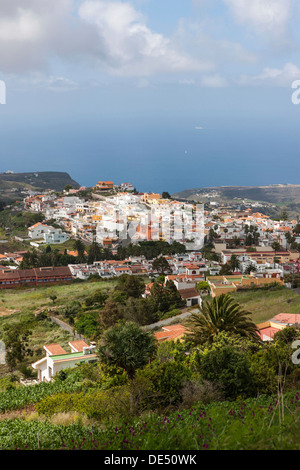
(219, 249)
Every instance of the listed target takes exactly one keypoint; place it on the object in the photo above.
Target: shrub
(229, 369)
(168, 379)
(102, 405)
(200, 391)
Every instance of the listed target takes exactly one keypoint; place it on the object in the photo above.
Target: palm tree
(220, 314)
(80, 248)
(128, 346)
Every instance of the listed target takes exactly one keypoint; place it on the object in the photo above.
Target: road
(185, 314)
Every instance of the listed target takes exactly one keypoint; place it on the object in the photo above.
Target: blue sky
(166, 94)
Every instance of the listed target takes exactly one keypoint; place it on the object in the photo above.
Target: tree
(30, 259)
(234, 263)
(88, 324)
(53, 298)
(166, 195)
(16, 341)
(228, 368)
(212, 235)
(225, 270)
(164, 298)
(203, 286)
(80, 248)
(71, 310)
(132, 286)
(94, 253)
(97, 298)
(251, 268)
(161, 265)
(220, 314)
(111, 313)
(297, 229)
(140, 311)
(127, 346)
(276, 246)
(287, 335)
(172, 293)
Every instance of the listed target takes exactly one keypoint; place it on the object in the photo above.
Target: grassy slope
(253, 424)
(21, 305)
(249, 430)
(265, 304)
(39, 297)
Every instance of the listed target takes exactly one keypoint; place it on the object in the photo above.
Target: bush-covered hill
(12, 184)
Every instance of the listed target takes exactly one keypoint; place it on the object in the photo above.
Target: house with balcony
(58, 359)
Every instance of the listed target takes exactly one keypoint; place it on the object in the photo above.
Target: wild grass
(34, 298)
(265, 304)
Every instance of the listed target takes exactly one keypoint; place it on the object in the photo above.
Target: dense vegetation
(260, 424)
(227, 395)
(224, 390)
(151, 249)
(124, 302)
(17, 222)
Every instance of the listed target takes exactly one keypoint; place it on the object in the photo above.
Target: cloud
(214, 81)
(110, 36)
(30, 32)
(282, 77)
(57, 84)
(129, 46)
(264, 16)
(41, 81)
(187, 81)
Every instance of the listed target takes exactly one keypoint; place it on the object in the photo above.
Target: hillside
(221, 397)
(12, 184)
(274, 194)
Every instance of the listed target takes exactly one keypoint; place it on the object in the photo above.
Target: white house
(55, 235)
(126, 187)
(191, 297)
(50, 234)
(58, 359)
(38, 230)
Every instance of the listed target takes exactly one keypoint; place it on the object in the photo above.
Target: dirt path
(5, 312)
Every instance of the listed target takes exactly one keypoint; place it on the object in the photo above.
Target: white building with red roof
(58, 359)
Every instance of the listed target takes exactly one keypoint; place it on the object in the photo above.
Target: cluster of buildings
(233, 223)
(121, 217)
(13, 278)
(124, 216)
(116, 215)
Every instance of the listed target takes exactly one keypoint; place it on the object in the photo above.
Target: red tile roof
(78, 345)
(54, 349)
(170, 333)
(188, 293)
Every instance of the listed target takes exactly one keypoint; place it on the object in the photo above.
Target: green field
(32, 299)
(265, 304)
(21, 305)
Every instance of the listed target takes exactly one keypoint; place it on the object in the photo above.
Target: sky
(164, 94)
